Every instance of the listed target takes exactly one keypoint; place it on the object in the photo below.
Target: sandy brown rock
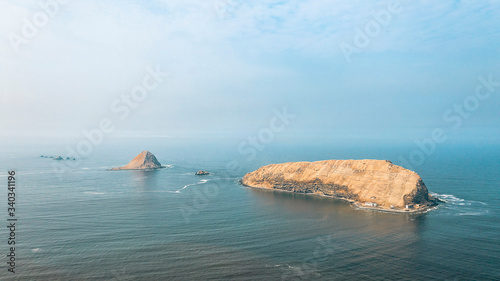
(144, 161)
(369, 183)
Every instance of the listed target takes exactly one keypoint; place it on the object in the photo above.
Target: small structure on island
(202, 173)
(144, 161)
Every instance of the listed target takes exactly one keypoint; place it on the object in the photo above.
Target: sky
(381, 70)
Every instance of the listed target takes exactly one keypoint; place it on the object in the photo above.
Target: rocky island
(144, 161)
(58, 158)
(374, 184)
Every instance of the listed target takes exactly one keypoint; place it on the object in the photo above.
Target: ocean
(89, 223)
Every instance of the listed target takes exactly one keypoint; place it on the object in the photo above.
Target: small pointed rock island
(144, 161)
(375, 184)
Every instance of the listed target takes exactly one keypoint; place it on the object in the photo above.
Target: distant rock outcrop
(202, 173)
(375, 184)
(58, 158)
(144, 161)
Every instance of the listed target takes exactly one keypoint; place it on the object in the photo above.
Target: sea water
(89, 223)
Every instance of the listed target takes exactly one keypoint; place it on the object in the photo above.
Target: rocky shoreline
(354, 204)
(367, 184)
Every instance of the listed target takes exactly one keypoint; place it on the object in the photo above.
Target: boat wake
(188, 185)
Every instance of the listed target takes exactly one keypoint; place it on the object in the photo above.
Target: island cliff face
(144, 161)
(368, 183)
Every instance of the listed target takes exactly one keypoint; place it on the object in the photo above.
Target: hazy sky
(231, 63)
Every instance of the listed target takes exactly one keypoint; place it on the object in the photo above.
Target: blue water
(94, 224)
